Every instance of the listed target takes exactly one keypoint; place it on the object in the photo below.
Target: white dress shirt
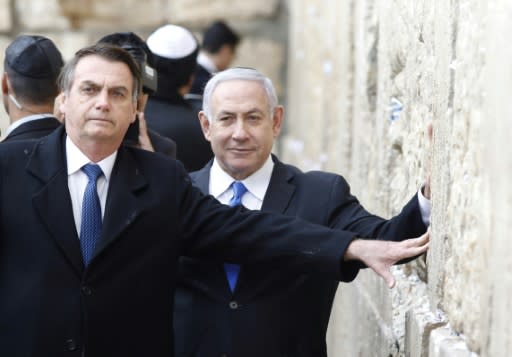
(256, 184)
(206, 62)
(78, 180)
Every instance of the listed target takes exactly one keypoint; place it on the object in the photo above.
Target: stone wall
(365, 78)
(74, 24)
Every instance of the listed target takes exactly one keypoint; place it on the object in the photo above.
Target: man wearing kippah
(29, 87)
(175, 51)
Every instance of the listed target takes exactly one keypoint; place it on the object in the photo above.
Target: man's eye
(88, 90)
(118, 94)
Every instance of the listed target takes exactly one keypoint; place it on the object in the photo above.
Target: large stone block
(5, 15)
(203, 11)
(90, 15)
(265, 55)
(37, 15)
(356, 327)
(444, 342)
(419, 323)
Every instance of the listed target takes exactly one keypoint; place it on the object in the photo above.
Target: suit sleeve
(346, 213)
(217, 232)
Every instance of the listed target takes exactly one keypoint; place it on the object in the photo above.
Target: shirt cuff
(425, 208)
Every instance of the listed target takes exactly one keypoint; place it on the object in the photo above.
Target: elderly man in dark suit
(268, 310)
(91, 230)
(29, 86)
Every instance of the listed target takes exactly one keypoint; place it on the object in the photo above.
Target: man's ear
(205, 124)
(5, 83)
(277, 120)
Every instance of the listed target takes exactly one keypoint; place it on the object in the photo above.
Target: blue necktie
(90, 229)
(232, 270)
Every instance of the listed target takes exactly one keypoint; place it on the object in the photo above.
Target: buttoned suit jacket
(33, 129)
(274, 312)
(121, 303)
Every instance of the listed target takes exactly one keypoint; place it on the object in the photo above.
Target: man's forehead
(239, 93)
(88, 70)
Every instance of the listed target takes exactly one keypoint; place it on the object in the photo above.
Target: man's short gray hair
(238, 73)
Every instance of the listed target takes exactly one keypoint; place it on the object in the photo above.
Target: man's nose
(103, 100)
(240, 130)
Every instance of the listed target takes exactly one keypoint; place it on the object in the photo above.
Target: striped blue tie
(90, 229)
(232, 270)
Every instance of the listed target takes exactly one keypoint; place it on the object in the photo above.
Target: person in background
(29, 86)
(92, 229)
(174, 51)
(221, 313)
(218, 51)
(136, 46)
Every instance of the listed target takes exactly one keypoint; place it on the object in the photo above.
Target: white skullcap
(171, 41)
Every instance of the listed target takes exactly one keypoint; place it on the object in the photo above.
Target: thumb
(388, 278)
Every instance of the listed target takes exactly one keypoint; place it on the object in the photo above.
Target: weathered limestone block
(128, 14)
(462, 131)
(90, 14)
(40, 15)
(356, 327)
(265, 55)
(420, 322)
(197, 11)
(445, 343)
(496, 195)
(5, 15)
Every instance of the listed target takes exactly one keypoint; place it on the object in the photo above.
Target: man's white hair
(238, 73)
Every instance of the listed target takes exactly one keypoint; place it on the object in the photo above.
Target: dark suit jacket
(121, 304)
(33, 129)
(277, 312)
(177, 120)
(162, 144)
(202, 76)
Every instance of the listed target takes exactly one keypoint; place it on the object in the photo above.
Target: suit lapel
(53, 202)
(280, 189)
(201, 178)
(123, 205)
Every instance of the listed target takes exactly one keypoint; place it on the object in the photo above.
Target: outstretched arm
(381, 255)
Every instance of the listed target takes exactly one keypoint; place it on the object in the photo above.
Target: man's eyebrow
(250, 111)
(88, 82)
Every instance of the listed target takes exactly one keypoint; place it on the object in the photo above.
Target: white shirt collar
(26, 119)
(256, 184)
(206, 62)
(76, 159)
